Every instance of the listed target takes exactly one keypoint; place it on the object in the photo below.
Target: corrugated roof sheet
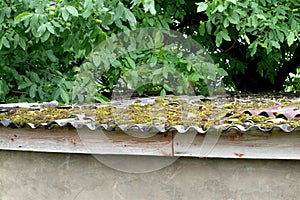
(162, 114)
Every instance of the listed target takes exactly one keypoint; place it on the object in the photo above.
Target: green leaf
(5, 42)
(165, 72)
(50, 28)
(132, 77)
(96, 60)
(290, 38)
(72, 10)
(41, 30)
(234, 18)
(4, 89)
(232, 1)
(280, 35)
(294, 25)
(209, 27)
(65, 14)
(116, 63)
(254, 21)
(261, 16)
(24, 85)
(68, 84)
(163, 92)
(119, 11)
(131, 62)
(275, 44)
(140, 91)
(153, 61)
(246, 39)
(101, 98)
(32, 91)
(41, 93)
(87, 3)
(264, 45)
(194, 77)
(167, 88)
(225, 36)
(221, 8)
(149, 6)
(64, 96)
(202, 28)
(16, 40)
(226, 22)
(253, 47)
(158, 38)
(130, 17)
(189, 67)
(34, 77)
(56, 94)
(45, 37)
(222, 72)
(219, 39)
(22, 43)
(201, 6)
(158, 41)
(51, 56)
(23, 16)
(2, 14)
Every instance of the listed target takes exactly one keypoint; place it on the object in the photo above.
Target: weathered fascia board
(71, 140)
(235, 144)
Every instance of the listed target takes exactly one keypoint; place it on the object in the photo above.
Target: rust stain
(236, 135)
(240, 155)
(74, 141)
(165, 153)
(297, 145)
(13, 138)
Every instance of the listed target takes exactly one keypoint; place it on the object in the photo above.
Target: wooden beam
(69, 140)
(235, 144)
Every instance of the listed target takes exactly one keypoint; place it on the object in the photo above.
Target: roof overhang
(234, 144)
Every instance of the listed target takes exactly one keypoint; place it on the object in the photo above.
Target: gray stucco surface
(31, 176)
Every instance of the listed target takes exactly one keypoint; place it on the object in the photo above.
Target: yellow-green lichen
(3, 116)
(22, 116)
(168, 111)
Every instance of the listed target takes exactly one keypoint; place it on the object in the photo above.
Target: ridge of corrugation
(82, 122)
(78, 124)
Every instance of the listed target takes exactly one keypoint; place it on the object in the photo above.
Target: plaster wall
(38, 176)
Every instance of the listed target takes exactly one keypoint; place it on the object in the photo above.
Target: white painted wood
(68, 140)
(252, 145)
(275, 145)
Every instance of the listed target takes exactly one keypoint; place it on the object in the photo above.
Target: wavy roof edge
(287, 112)
(146, 128)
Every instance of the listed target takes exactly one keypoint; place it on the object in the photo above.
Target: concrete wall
(28, 175)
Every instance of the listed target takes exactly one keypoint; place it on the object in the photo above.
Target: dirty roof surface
(179, 113)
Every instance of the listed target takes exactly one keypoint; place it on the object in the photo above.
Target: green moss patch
(168, 111)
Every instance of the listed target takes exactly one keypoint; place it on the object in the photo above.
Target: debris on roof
(180, 113)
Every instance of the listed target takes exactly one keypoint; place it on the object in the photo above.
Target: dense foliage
(44, 43)
(257, 41)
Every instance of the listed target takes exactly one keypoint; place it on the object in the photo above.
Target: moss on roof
(23, 116)
(171, 111)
